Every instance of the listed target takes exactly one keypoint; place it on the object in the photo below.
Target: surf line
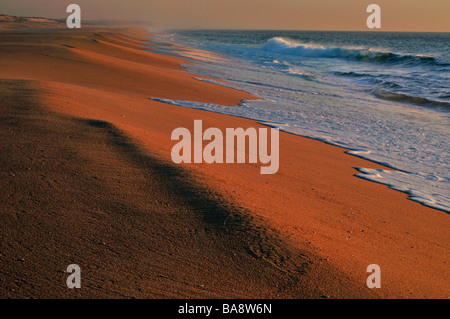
(235, 146)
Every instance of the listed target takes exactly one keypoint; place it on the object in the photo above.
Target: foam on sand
(430, 189)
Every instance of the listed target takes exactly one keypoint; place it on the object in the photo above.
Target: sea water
(385, 96)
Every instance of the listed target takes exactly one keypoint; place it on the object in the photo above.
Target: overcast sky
(397, 15)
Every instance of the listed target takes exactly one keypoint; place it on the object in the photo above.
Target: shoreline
(324, 223)
(413, 183)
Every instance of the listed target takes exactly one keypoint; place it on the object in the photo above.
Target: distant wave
(352, 74)
(403, 98)
(292, 47)
(375, 79)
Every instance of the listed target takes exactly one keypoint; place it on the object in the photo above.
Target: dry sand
(87, 178)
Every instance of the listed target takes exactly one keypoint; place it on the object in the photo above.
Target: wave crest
(292, 47)
(403, 98)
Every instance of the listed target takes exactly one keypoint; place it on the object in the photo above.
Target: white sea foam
(407, 183)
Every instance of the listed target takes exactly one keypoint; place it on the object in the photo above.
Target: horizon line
(162, 26)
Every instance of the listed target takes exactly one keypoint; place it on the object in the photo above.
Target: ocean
(383, 95)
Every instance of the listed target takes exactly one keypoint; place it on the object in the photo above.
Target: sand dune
(8, 22)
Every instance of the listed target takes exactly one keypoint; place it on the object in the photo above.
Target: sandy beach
(87, 178)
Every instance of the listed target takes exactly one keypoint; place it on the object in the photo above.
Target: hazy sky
(397, 15)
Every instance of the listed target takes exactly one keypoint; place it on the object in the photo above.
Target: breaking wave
(292, 47)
